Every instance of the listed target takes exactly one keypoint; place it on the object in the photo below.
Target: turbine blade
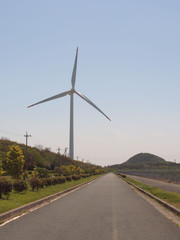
(51, 98)
(91, 103)
(73, 79)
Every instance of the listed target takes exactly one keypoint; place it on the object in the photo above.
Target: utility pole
(65, 151)
(59, 157)
(26, 136)
(59, 150)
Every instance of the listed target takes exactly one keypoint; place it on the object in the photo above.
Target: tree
(72, 169)
(79, 171)
(15, 161)
(42, 172)
(29, 161)
(88, 170)
(94, 170)
(66, 170)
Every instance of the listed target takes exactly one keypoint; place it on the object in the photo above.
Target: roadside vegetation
(20, 185)
(171, 198)
(18, 199)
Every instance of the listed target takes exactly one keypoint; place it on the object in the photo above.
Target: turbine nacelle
(72, 91)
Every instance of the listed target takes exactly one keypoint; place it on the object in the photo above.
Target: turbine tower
(71, 93)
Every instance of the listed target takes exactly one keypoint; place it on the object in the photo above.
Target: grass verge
(20, 199)
(171, 198)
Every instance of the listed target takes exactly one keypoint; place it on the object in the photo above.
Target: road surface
(107, 209)
(170, 187)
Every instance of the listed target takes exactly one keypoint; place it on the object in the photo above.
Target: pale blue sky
(128, 65)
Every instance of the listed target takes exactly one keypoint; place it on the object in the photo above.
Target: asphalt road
(107, 209)
(170, 187)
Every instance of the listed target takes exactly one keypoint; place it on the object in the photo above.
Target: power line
(12, 133)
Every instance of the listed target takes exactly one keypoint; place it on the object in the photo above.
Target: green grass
(19, 199)
(172, 198)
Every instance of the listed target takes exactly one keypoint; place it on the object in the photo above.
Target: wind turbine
(71, 93)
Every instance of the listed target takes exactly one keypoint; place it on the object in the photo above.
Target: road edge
(17, 211)
(165, 204)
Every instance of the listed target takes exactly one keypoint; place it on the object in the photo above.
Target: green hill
(145, 161)
(37, 157)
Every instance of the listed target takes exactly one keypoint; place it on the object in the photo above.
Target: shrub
(55, 180)
(15, 161)
(25, 175)
(66, 171)
(35, 183)
(42, 172)
(88, 170)
(8, 189)
(32, 183)
(72, 169)
(50, 181)
(5, 187)
(44, 180)
(41, 183)
(56, 174)
(4, 173)
(79, 171)
(85, 175)
(20, 186)
(76, 177)
(58, 170)
(61, 180)
(68, 178)
(2, 186)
